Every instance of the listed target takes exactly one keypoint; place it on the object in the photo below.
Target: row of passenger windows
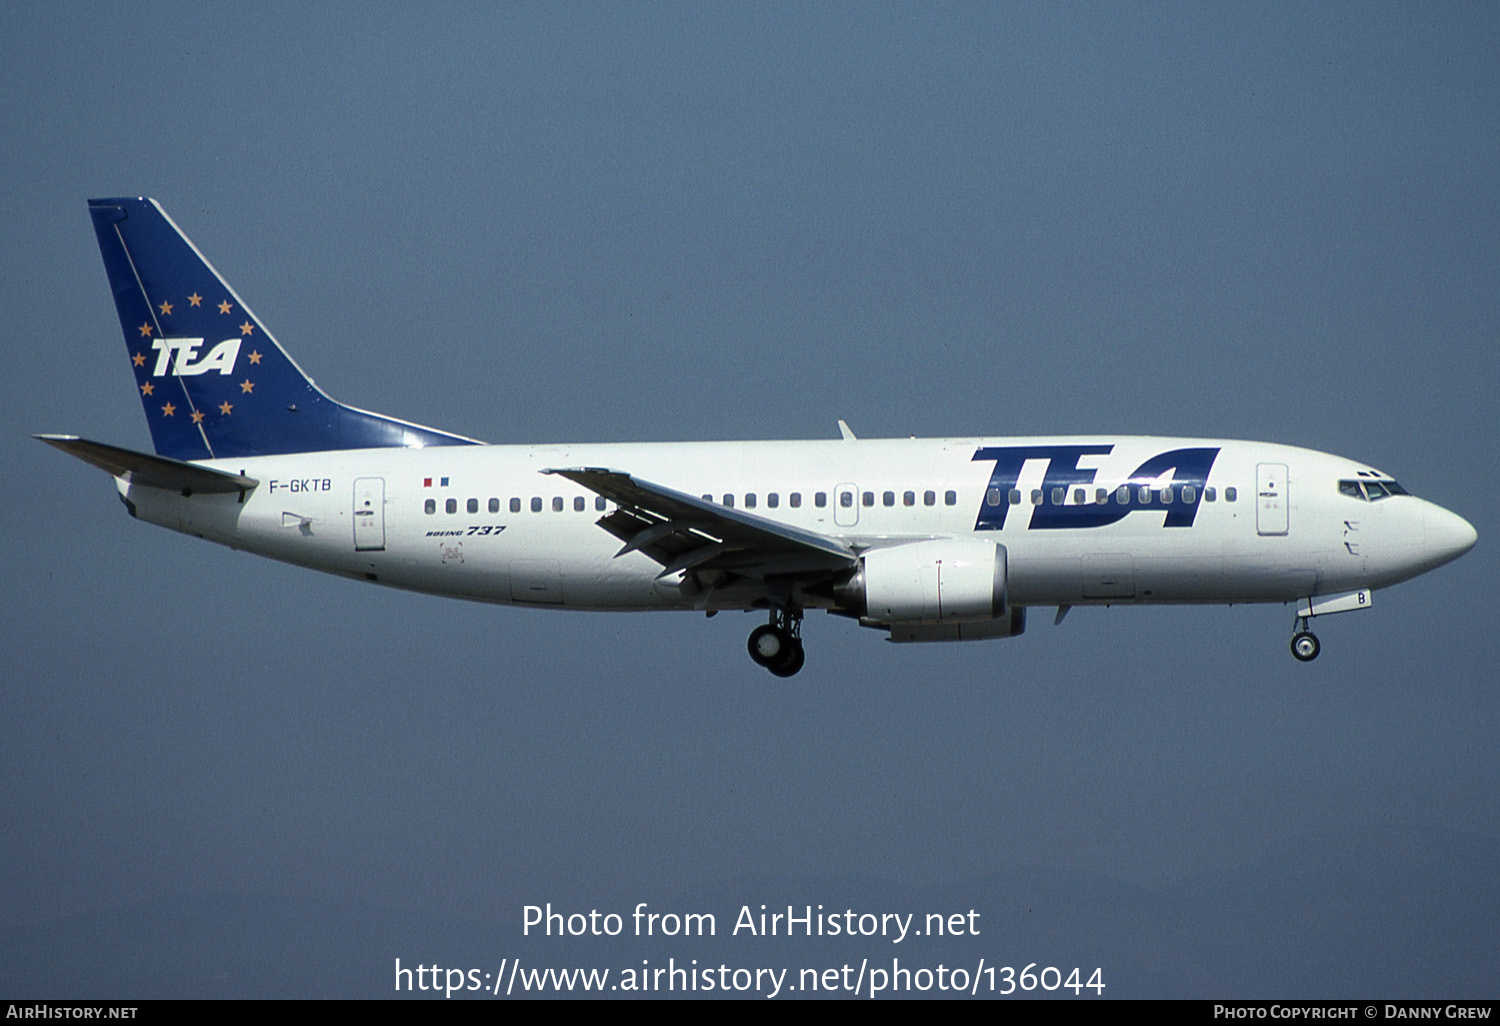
(1124, 495)
(751, 501)
(537, 502)
(845, 499)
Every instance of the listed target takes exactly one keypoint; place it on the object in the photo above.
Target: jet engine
(945, 589)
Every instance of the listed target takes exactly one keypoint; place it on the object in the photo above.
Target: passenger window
(929, 498)
(473, 505)
(820, 499)
(908, 498)
(795, 500)
(1078, 496)
(599, 502)
(950, 498)
(536, 504)
(1015, 496)
(515, 505)
(1144, 496)
(1036, 496)
(992, 497)
(494, 505)
(708, 498)
(888, 499)
(1231, 494)
(869, 498)
(578, 504)
(773, 500)
(1101, 495)
(451, 505)
(1166, 496)
(729, 500)
(1058, 495)
(557, 504)
(1189, 494)
(1122, 494)
(1209, 495)
(430, 506)
(749, 500)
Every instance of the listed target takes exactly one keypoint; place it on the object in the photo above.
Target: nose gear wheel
(1305, 645)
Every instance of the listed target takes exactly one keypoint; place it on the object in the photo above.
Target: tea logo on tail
(220, 358)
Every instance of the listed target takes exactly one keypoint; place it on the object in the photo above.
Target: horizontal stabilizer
(152, 471)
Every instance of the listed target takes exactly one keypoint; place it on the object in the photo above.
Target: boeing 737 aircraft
(944, 539)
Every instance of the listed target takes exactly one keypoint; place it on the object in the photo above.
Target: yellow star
(165, 307)
(147, 388)
(168, 409)
(247, 385)
(139, 359)
(195, 300)
(254, 356)
(197, 416)
(145, 330)
(225, 407)
(225, 307)
(247, 328)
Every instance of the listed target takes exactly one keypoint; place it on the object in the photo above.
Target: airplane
(946, 539)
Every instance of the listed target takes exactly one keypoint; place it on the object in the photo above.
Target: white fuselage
(1266, 523)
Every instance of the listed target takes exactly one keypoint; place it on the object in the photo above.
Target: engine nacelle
(1007, 626)
(938, 583)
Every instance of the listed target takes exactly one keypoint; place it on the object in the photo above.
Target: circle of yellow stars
(147, 329)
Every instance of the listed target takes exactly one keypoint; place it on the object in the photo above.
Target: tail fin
(214, 382)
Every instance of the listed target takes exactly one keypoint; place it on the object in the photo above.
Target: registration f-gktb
(944, 539)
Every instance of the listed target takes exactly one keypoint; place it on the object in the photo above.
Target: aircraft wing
(685, 533)
(144, 469)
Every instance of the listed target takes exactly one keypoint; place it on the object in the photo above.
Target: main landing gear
(1305, 644)
(778, 645)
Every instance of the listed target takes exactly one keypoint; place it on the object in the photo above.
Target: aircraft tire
(768, 645)
(791, 663)
(1305, 646)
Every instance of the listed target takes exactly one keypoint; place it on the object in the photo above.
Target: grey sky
(637, 222)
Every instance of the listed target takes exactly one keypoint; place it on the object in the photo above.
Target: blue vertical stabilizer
(214, 382)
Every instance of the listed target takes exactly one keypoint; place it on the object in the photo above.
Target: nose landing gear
(778, 645)
(1304, 642)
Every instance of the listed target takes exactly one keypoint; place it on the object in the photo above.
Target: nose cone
(1447, 536)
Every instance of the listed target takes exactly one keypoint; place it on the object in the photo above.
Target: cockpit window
(1370, 491)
